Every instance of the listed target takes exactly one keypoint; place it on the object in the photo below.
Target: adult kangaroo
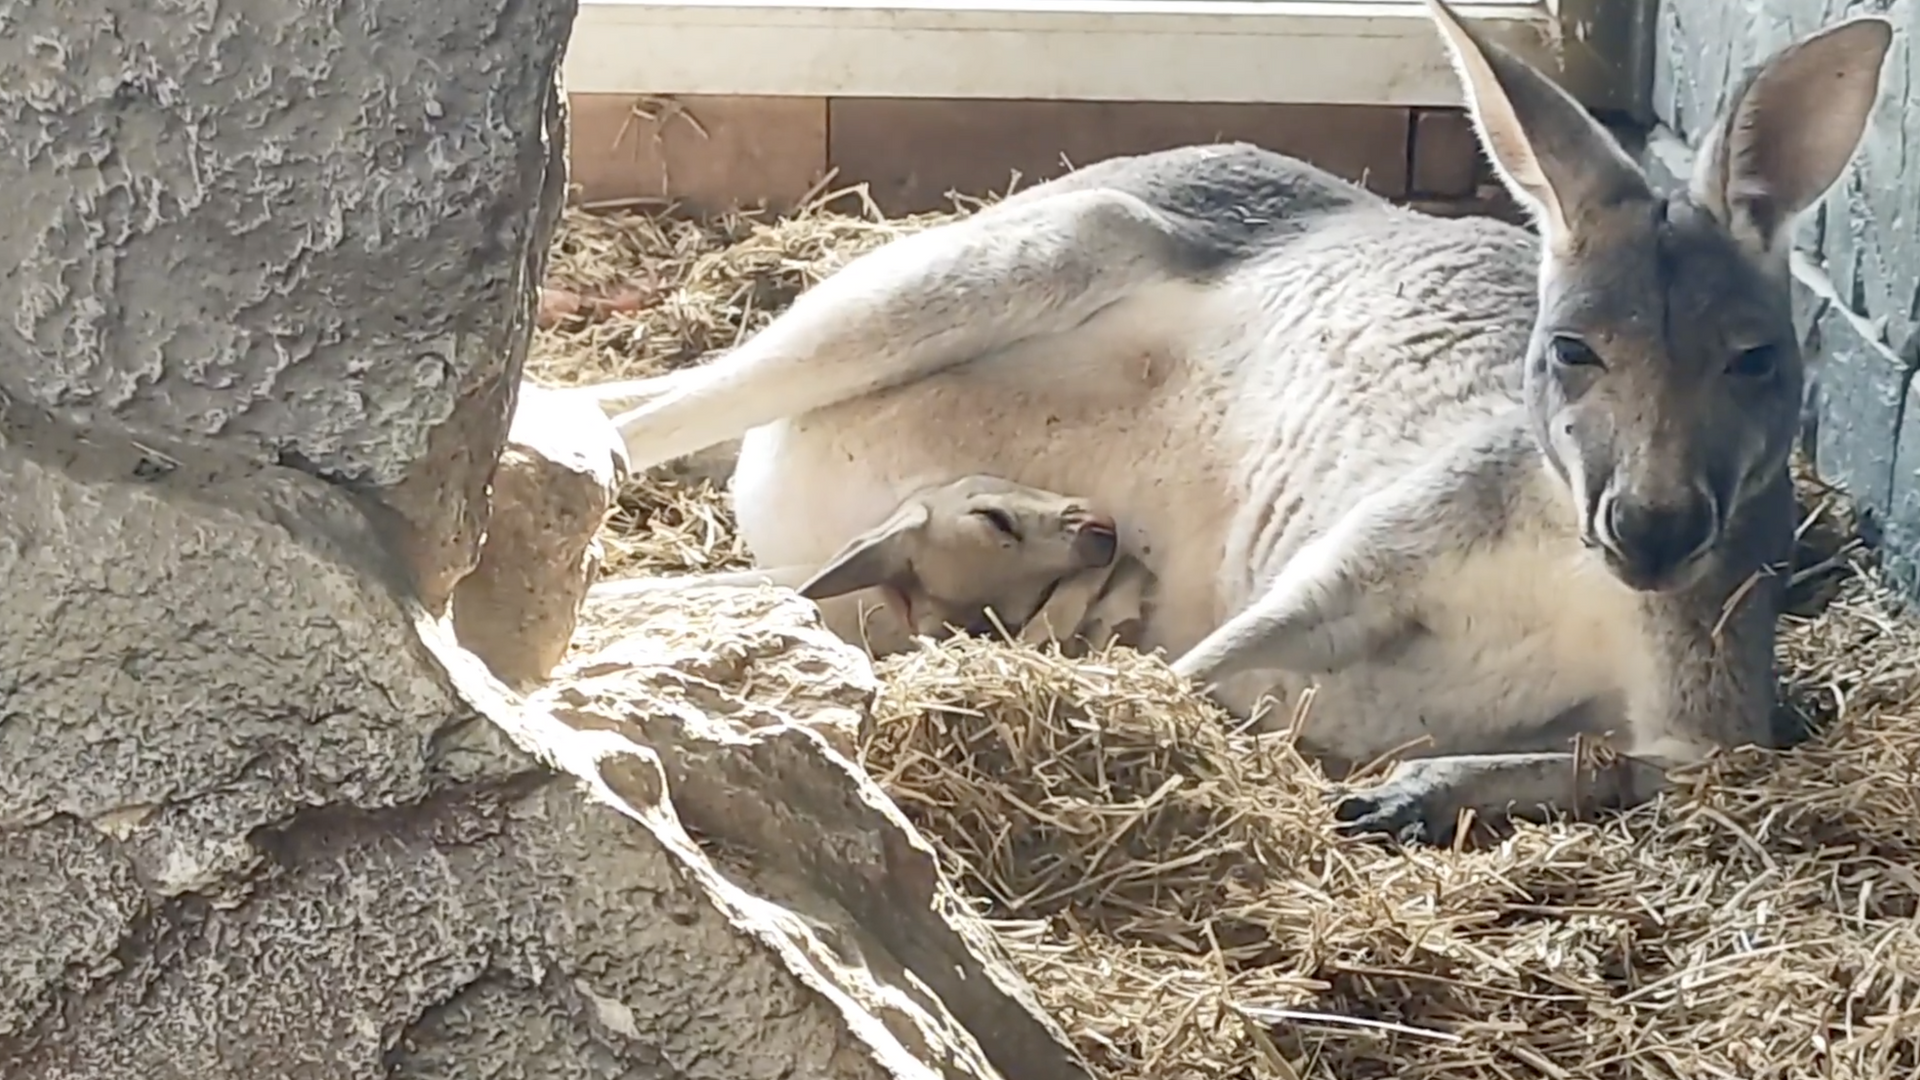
(1477, 487)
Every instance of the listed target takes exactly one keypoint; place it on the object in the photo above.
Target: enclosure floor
(1177, 896)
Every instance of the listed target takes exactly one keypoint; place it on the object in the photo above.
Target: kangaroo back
(1040, 263)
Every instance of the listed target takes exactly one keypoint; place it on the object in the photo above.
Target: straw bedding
(1175, 892)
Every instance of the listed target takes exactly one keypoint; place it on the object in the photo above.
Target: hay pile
(1184, 908)
(1176, 896)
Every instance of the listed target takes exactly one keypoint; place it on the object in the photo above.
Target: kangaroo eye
(1755, 363)
(1568, 351)
(1001, 521)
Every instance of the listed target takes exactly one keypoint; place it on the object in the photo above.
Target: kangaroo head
(1664, 377)
(951, 552)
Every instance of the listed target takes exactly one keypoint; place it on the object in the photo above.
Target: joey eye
(1000, 520)
(1568, 351)
(1755, 363)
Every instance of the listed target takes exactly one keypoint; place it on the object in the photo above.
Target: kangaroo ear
(1555, 158)
(873, 558)
(1789, 130)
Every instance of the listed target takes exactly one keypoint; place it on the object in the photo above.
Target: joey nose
(1650, 545)
(1095, 539)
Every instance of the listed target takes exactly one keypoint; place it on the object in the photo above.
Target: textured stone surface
(751, 712)
(1901, 535)
(777, 664)
(1865, 244)
(269, 268)
(260, 816)
(555, 481)
(300, 228)
(1862, 394)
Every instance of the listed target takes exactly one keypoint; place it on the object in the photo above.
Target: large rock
(556, 480)
(308, 230)
(749, 715)
(259, 816)
(270, 267)
(776, 664)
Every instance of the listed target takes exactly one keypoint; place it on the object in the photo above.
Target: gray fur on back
(1228, 202)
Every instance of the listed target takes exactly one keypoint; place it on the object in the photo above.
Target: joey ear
(1789, 130)
(1555, 158)
(870, 559)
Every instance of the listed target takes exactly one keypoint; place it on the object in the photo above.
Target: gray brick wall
(1865, 330)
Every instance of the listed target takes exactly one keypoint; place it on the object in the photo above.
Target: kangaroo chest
(1507, 647)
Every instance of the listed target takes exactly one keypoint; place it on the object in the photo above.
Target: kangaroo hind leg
(915, 306)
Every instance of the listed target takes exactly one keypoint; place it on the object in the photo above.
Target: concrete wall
(711, 153)
(1865, 334)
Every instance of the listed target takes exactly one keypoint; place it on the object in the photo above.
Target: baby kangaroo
(1481, 490)
(947, 556)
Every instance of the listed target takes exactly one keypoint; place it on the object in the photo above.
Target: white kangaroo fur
(1481, 489)
(1042, 563)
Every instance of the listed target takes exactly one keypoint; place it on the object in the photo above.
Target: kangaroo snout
(1651, 547)
(1096, 539)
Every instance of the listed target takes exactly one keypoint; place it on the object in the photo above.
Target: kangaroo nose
(1095, 539)
(1649, 544)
